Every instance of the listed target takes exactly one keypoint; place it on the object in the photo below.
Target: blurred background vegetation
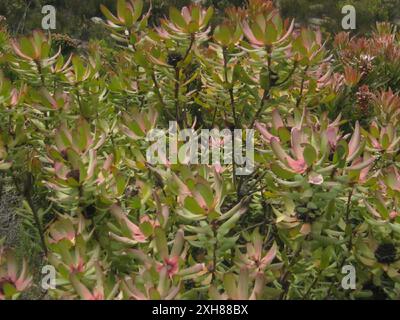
(74, 16)
(74, 20)
(328, 13)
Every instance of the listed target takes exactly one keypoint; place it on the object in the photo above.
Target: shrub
(324, 192)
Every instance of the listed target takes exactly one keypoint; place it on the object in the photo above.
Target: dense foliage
(329, 13)
(74, 17)
(324, 194)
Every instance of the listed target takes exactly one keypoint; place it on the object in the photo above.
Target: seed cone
(386, 253)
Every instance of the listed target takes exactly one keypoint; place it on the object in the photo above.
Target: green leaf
(326, 257)
(257, 32)
(154, 294)
(271, 33)
(206, 193)
(340, 154)
(229, 224)
(222, 34)
(79, 69)
(177, 18)
(192, 205)
(138, 7)
(121, 183)
(278, 150)
(208, 16)
(240, 74)
(310, 154)
(161, 243)
(264, 79)
(27, 47)
(385, 141)
(146, 228)
(195, 14)
(193, 27)
(284, 134)
(281, 172)
(121, 9)
(230, 285)
(140, 59)
(9, 290)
